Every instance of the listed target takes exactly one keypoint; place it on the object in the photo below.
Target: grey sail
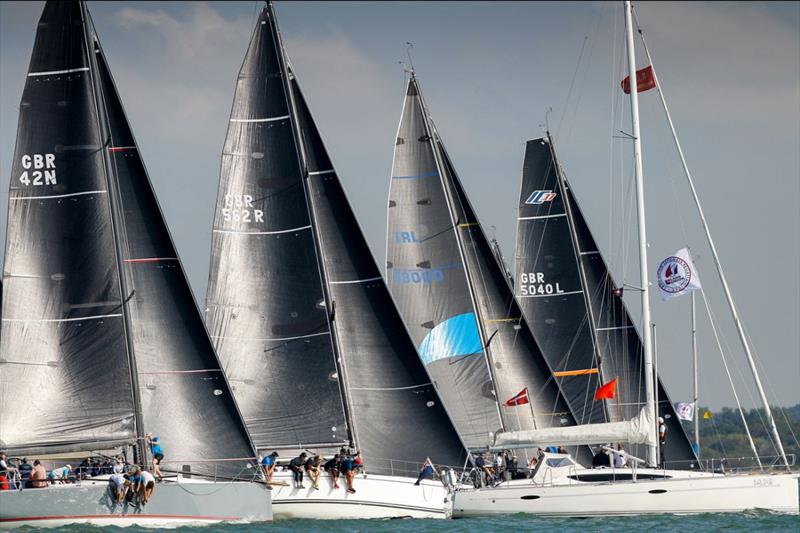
(426, 276)
(185, 397)
(64, 369)
(395, 410)
(266, 310)
(299, 267)
(592, 327)
(513, 357)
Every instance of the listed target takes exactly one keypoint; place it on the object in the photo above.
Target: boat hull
(91, 502)
(375, 497)
(718, 494)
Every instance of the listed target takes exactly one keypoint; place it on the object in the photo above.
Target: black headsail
(185, 396)
(568, 295)
(393, 411)
(499, 330)
(64, 369)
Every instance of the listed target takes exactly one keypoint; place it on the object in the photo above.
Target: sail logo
(38, 169)
(674, 275)
(540, 197)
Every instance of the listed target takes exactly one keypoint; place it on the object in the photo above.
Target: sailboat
(575, 309)
(572, 295)
(310, 338)
(102, 342)
(455, 296)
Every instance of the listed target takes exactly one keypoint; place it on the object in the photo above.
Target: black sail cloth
(361, 381)
(66, 322)
(479, 285)
(567, 293)
(64, 370)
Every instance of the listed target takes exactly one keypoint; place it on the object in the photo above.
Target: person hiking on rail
(296, 465)
(332, 466)
(158, 454)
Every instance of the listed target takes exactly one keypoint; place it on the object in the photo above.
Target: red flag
(645, 80)
(606, 392)
(519, 399)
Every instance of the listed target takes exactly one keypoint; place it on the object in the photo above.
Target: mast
(117, 232)
(301, 156)
(431, 130)
(694, 373)
(645, 293)
(717, 263)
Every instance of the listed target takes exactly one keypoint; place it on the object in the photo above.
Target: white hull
(375, 497)
(694, 495)
(173, 504)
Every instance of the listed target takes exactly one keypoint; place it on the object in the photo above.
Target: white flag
(676, 275)
(685, 411)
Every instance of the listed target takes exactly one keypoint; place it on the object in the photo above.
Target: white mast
(646, 321)
(736, 320)
(696, 386)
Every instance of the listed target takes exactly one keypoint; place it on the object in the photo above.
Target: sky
(494, 74)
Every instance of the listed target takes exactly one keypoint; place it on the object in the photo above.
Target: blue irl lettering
(404, 237)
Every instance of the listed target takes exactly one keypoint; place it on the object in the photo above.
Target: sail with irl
(455, 296)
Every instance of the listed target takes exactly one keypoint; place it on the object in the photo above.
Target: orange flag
(606, 392)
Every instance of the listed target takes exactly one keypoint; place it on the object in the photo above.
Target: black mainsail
(302, 318)
(456, 297)
(142, 350)
(570, 300)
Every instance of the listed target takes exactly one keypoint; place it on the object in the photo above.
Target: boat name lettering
(763, 482)
(39, 169)
(239, 208)
(533, 283)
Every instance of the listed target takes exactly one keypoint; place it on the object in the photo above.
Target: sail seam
(593, 252)
(271, 119)
(615, 327)
(95, 317)
(391, 388)
(149, 259)
(355, 281)
(261, 232)
(200, 371)
(539, 217)
(322, 172)
(55, 195)
(67, 71)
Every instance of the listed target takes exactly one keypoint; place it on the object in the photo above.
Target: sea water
(750, 522)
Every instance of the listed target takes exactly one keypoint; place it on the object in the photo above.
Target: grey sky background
(490, 71)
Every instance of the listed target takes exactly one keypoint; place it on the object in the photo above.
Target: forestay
(568, 295)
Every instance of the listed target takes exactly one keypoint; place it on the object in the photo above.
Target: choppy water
(749, 522)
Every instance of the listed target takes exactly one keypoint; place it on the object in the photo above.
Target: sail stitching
(273, 339)
(355, 281)
(391, 388)
(539, 217)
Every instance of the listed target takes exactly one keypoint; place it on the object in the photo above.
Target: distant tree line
(723, 435)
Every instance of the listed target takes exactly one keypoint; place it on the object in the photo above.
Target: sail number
(38, 169)
(239, 208)
(533, 284)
